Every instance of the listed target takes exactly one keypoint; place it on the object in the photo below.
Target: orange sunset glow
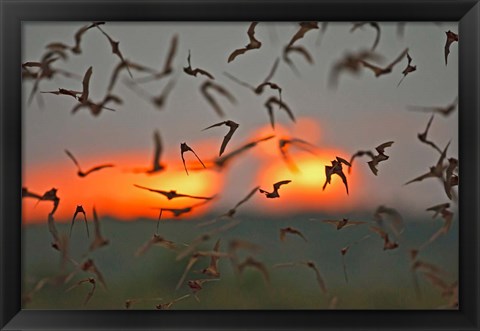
(112, 190)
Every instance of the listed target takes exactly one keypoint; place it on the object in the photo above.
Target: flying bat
(82, 174)
(252, 44)
(276, 187)
(185, 148)
(194, 72)
(205, 91)
(451, 38)
(232, 128)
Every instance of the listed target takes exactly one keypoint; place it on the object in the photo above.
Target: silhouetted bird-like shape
(172, 194)
(80, 210)
(308, 264)
(156, 240)
(375, 159)
(81, 96)
(451, 38)
(276, 187)
(253, 263)
(90, 267)
(157, 166)
(396, 220)
(90, 281)
(260, 88)
(291, 230)
(435, 171)
(284, 145)
(80, 173)
(387, 244)
(445, 111)
(409, 69)
(336, 169)
(115, 45)
(167, 67)
(423, 136)
(451, 179)
(351, 62)
(99, 241)
(205, 91)
(185, 148)
(379, 71)
(194, 72)
(343, 223)
(253, 43)
(129, 65)
(447, 215)
(159, 101)
(374, 25)
(50, 195)
(232, 128)
(282, 105)
(212, 269)
(76, 49)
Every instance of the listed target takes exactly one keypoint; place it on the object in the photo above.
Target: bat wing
(227, 138)
(381, 148)
(86, 84)
(420, 178)
(99, 168)
(399, 58)
(376, 26)
(277, 185)
(70, 155)
(236, 53)
(272, 71)
(157, 150)
(249, 195)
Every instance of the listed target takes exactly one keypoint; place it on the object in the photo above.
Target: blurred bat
(336, 169)
(282, 105)
(409, 69)
(185, 148)
(172, 194)
(205, 91)
(99, 240)
(156, 240)
(232, 128)
(374, 25)
(423, 136)
(167, 67)
(308, 264)
(82, 174)
(276, 187)
(290, 230)
(80, 210)
(90, 293)
(445, 111)
(435, 171)
(343, 223)
(78, 39)
(194, 72)
(379, 71)
(284, 144)
(252, 44)
(451, 38)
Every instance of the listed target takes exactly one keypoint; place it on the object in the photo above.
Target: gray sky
(362, 113)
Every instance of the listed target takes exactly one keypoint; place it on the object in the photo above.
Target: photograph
(240, 165)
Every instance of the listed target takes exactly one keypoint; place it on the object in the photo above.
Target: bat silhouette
(80, 210)
(156, 240)
(445, 111)
(410, 68)
(194, 72)
(375, 159)
(435, 171)
(159, 101)
(157, 166)
(129, 65)
(84, 281)
(423, 136)
(451, 38)
(396, 220)
(168, 305)
(450, 178)
(282, 105)
(379, 71)
(185, 148)
(308, 264)
(284, 145)
(343, 223)
(276, 187)
(50, 195)
(197, 285)
(96, 108)
(99, 241)
(232, 128)
(167, 67)
(212, 269)
(290, 230)
(260, 88)
(374, 25)
(27, 194)
(76, 49)
(351, 62)
(447, 215)
(172, 194)
(90, 267)
(253, 263)
(205, 91)
(296, 49)
(75, 94)
(115, 45)
(336, 169)
(252, 44)
(82, 174)
(304, 28)
(387, 244)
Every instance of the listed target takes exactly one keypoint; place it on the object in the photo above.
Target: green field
(377, 279)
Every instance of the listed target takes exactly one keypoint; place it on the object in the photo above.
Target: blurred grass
(377, 279)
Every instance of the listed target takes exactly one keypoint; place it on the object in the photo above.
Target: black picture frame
(13, 12)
